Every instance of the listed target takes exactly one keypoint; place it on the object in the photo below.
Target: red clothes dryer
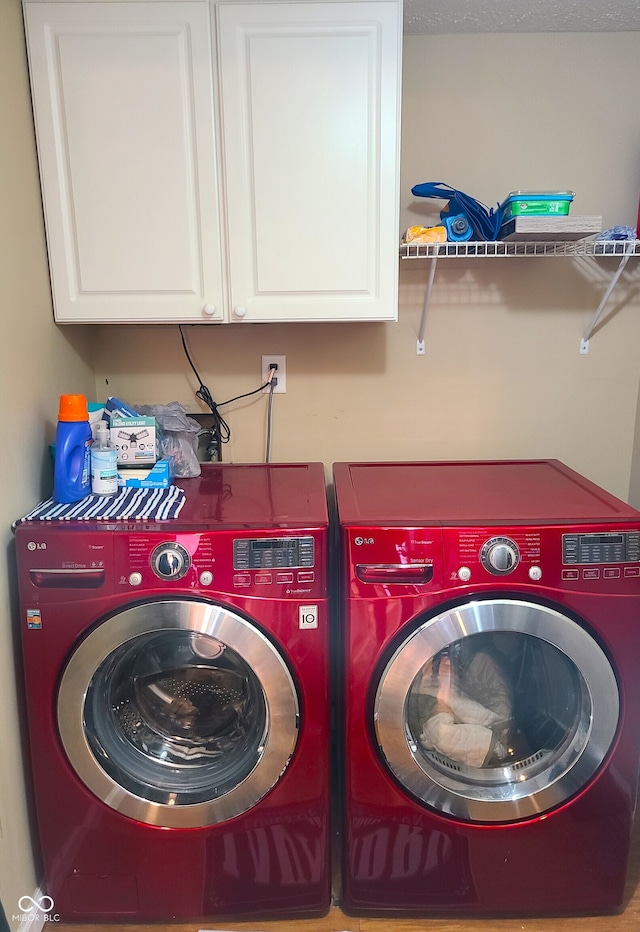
(177, 694)
(491, 620)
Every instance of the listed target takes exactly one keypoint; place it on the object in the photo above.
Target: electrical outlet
(281, 373)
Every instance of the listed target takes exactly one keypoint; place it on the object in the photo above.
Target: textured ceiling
(455, 16)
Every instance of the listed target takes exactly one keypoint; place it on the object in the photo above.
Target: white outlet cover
(281, 374)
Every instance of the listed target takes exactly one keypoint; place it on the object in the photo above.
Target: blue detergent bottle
(72, 464)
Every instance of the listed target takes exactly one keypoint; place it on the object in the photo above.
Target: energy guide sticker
(33, 618)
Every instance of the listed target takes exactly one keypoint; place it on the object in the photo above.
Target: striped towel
(127, 505)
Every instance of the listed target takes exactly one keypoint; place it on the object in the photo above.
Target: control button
(630, 571)
(135, 579)
(284, 577)
(464, 574)
(571, 574)
(611, 572)
(170, 561)
(591, 574)
(500, 555)
(535, 573)
(263, 579)
(242, 579)
(306, 576)
(206, 578)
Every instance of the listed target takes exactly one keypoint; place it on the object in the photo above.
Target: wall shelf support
(420, 349)
(584, 342)
(522, 248)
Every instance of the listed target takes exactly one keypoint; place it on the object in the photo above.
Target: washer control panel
(266, 553)
(609, 547)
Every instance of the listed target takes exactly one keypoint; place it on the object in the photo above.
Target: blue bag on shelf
(485, 222)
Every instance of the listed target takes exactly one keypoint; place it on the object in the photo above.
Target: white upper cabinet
(123, 106)
(310, 102)
(218, 162)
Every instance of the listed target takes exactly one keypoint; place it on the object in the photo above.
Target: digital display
(264, 553)
(290, 543)
(612, 547)
(587, 539)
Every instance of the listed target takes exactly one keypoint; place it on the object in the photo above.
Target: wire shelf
(505, 248)
(624, 249)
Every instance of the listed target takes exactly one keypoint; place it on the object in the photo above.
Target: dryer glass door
(178, 713)
(496, 710)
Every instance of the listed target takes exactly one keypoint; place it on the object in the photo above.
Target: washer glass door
(178, 713)
(496, 710)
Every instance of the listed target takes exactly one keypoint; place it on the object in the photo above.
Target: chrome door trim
(206, 619)
(497, 800)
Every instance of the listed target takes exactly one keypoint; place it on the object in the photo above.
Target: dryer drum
(543, 733)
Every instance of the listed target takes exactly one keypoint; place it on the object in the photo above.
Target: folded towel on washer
(126, 505)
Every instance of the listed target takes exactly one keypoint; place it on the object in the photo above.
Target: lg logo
(359, 541)
(32, 545)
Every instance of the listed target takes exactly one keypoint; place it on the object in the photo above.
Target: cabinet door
(310, 105)
(123, 103)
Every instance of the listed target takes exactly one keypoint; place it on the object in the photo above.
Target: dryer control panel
(589, 558)
(608, 547)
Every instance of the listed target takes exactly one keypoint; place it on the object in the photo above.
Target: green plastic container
(537, 203)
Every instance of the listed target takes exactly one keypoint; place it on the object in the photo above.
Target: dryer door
(178, 713)
(496, 710)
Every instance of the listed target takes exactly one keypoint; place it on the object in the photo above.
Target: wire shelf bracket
(584, 342)
(506, 249)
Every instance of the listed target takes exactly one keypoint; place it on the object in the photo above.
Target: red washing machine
(177, 693)
(491, 616)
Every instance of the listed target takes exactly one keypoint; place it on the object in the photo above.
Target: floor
(336, 921)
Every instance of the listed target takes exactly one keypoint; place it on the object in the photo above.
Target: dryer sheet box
(134, 439)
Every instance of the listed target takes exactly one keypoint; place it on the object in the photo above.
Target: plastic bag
(485, 222)
(178, 437)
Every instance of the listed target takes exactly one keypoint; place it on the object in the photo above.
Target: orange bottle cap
(73, 408)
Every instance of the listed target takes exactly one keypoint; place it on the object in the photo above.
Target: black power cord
(220, 430)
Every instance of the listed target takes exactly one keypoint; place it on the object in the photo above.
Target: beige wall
(502, 375)
(37, 362)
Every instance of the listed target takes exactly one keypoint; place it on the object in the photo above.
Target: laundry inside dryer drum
(498, 709)
(176, 717)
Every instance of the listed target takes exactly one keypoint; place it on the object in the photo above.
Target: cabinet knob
(209, 310)
(239, 311)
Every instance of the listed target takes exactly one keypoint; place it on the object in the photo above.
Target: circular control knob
(500, 556)
(535, 573)
(135, 579)
(464, 574)
(170, 561)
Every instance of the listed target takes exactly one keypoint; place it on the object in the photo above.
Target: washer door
(496, 710)
(178, 713)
